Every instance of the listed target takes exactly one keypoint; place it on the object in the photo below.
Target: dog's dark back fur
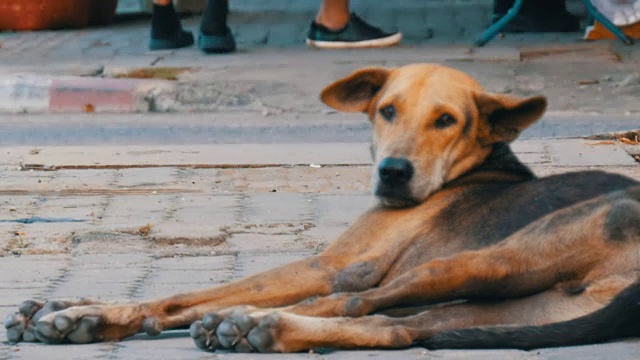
(496, 210)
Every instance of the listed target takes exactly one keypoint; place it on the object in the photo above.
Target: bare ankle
(332, 22)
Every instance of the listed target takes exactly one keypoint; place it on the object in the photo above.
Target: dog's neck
(501, 165)
(502, 159)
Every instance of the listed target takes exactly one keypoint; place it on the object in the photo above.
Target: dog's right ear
(354, 93)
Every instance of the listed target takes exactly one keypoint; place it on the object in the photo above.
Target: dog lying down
(511, 260)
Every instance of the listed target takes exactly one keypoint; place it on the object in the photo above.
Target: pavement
(114, 186)
(135, 222)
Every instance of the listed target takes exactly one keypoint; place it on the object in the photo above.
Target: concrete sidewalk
(211, 221)
(79, 70)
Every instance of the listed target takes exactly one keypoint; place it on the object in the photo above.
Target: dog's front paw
(77, 322)
(20, 325)
(23, 325)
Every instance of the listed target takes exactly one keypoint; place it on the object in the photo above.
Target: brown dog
(461, 223)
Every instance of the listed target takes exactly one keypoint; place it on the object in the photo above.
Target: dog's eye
(388, 112)
(444, 121)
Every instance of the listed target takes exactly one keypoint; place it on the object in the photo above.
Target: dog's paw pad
(56, 328)
(204, 332)
(232, 332)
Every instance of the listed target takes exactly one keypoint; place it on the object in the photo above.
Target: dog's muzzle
(394, 176)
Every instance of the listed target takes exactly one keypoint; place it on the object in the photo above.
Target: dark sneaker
(356, 34)
(177, 40)
(166, 31)
(218, 43)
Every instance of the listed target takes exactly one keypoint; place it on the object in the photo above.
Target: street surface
(237, 167)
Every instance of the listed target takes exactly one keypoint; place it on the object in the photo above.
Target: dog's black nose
(395, 171)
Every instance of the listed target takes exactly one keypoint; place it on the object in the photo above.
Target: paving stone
(528, 146)
(145, 177)
(211, 210)
(28, 277)
(258, 243)
(107, 261)
(179, 274)
(72, 180)
(204, 263)
(583, 153)
(324, 235)
(136, 210)
(200, 276)
(95, 241)
(621, 350)
(105, 277)
(44, 238)
(62, 352)
(71, 207)
(251, 263)
(198, 217)
(14, 297)
(479, 354)
(7, 235)
(169, 346)
(14, 207)
(545, 170)
(414, 353)
(340, 209)
(277, 208)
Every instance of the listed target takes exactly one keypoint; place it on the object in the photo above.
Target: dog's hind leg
(280, 331)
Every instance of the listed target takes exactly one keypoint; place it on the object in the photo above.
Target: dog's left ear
(354, 93)
(507, 115)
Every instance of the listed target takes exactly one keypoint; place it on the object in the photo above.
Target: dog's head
(431, 124)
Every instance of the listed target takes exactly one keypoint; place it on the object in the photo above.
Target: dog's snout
(395, 171)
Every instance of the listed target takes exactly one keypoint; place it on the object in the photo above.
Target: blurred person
(333, 27)
(167, 33)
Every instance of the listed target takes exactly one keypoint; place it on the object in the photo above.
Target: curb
(24, 93)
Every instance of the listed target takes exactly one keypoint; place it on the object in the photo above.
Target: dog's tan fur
(472, 230)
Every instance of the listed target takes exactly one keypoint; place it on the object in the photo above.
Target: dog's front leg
(356, 261)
